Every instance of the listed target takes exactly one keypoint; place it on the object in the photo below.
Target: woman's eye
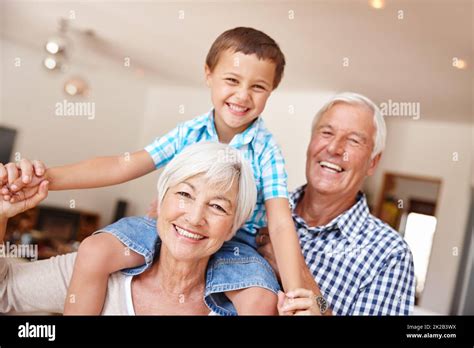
(218, 207)
(184, 194)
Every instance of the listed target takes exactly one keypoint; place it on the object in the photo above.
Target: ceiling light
(50, 63)
(76, 86)
(460, 64)
(377, 4)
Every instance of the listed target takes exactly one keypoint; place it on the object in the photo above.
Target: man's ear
(373, 164)
(207, 74)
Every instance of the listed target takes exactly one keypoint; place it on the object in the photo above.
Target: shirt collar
(350, 222)
(244, 138)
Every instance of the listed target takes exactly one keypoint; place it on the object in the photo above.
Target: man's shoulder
(386, 236)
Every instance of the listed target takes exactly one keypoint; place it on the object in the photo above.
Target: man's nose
(336, 146)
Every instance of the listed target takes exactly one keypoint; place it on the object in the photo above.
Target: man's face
(240, 86)
(339, 154)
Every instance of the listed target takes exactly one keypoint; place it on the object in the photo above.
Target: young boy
(242, 68)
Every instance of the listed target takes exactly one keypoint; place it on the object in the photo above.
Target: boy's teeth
(236, 108)
(188, 234)
(330, 166)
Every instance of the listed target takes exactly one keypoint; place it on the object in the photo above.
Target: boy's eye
(218, 207)
(259, 87)
(231, 80)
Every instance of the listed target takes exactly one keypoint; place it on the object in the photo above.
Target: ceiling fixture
(56, 47)
(76, 86)
(460, 64)
(377, 4)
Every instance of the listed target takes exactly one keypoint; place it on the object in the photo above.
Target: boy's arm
(100, 171)
(96, 172)
(293, 270)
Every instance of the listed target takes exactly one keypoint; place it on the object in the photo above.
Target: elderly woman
(205, 194)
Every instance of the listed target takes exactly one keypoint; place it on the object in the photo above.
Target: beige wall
(426, 149)
(30, 94)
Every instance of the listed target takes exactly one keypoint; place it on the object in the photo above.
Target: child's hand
(14, 177)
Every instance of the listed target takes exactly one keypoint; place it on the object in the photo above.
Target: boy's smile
(240, 86)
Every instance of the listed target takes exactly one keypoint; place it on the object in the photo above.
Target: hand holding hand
(14, 177)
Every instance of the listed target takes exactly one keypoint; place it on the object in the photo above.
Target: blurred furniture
(55, 230)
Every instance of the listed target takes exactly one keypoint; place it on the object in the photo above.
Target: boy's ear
(207, 74)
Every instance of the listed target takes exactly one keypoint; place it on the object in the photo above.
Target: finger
(303, 313)
(3, 175)
(12, 172)
(40, 167)
(19, 184)
(4, 190)
(296, 304)
(281, 299)
(26, 193)
(26, 170)
(39, 196)
(300, 293)
(280, 304)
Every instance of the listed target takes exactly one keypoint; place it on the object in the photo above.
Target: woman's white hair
(221, 165)
(358, 99)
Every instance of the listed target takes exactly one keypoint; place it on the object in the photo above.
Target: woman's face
(195, 219)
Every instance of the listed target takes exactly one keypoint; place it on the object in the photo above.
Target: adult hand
(265, 249)
(298, 301)
(153, 209)
(31, 197)
(15, 176)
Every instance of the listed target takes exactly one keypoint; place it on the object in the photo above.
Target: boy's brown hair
(248, 41)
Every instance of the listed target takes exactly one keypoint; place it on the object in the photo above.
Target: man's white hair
(358, 99)
(220, 164)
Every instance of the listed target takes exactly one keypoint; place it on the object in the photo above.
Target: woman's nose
(195, 215)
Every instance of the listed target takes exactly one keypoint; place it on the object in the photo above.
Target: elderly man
(360, 265)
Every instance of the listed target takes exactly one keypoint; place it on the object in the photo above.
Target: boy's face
(240, 86)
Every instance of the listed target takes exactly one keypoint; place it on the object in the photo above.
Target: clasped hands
(22, 186)
(296, 302)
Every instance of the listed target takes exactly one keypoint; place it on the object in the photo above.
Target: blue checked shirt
(257, 145)
(362, 266)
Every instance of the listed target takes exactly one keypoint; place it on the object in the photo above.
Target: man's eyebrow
(325, 126)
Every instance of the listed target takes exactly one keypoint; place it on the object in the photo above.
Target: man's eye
(184, 194)
(354, 141)
(218, 207)
(326, 133)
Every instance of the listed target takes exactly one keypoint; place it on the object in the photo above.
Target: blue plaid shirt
(257, 145)
(362, 266)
